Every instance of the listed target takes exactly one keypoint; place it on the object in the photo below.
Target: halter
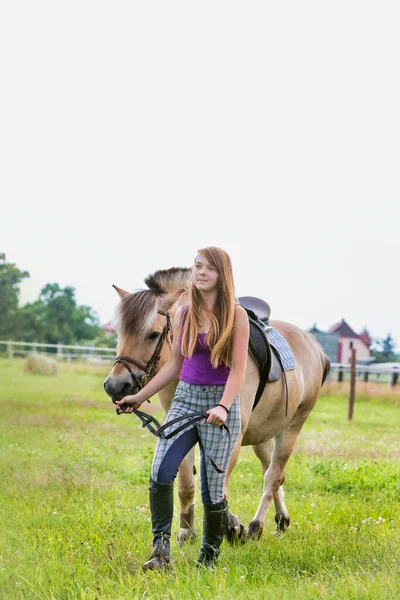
(150, 368)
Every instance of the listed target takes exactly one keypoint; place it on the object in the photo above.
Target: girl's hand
(216, 416)
(127, 404)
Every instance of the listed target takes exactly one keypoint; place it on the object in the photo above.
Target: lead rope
(147, 421)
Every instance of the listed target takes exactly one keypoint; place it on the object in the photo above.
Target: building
(337, 342)
(108, 328)
(348, 339)
(328, 341)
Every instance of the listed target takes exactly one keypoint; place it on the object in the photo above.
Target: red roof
(366, 339)
(344, 330)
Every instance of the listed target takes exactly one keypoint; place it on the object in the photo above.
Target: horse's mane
(137, 311)
(169, 280)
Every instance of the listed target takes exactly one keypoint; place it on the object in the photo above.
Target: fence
(377, 372)
(61, 351)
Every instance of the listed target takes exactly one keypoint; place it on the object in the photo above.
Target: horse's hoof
(282, 522)
(255, 530)
(185, 535)
(234, 530)
(236, 535)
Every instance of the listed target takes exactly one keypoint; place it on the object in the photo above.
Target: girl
(209, 354)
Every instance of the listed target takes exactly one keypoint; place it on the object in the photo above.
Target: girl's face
(205, 275)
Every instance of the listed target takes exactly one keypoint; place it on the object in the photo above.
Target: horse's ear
(122, 293)
(174, 297)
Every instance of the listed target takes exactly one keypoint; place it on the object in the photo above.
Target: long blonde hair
(222, 321)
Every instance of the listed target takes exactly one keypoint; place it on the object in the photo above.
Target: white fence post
(10, 352)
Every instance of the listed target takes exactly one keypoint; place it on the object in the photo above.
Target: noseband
(150, 368)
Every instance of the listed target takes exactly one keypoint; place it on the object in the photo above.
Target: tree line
(55, 317)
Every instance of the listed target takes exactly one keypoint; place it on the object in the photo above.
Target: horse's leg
(263, 452)
(234, 530)
(186, 493)
(282, 518)
(274, 475)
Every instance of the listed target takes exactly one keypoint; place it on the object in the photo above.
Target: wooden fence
(377, 372)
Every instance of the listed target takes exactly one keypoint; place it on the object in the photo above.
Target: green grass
(75, 520)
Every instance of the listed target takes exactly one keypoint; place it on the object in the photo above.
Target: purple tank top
(198, 370)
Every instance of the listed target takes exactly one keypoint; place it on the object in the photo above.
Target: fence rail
(64, 351)
(371, 368)
(372, 372)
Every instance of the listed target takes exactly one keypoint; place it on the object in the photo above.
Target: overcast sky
(134, 133)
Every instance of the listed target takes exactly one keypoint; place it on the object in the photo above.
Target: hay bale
(38, 364)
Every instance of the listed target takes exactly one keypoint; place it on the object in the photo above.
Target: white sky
(133, 133)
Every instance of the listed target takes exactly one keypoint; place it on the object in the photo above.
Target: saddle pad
(278, 342)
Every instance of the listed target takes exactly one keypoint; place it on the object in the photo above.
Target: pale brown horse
(144, 343)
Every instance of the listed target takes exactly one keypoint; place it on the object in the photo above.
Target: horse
(144, 344)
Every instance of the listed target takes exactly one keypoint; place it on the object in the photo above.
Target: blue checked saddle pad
(281, 346)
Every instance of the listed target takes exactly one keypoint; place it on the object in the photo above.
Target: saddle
(265, 356)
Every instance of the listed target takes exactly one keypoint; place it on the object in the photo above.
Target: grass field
(75, 520)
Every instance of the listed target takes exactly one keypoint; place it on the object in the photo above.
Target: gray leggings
(213, 441)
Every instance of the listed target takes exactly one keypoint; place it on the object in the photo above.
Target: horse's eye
(153, 336)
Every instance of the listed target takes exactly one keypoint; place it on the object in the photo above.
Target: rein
(148, 420)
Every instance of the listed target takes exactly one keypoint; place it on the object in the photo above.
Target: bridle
(150, 368)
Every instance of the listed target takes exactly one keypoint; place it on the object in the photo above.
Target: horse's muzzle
(117, 388)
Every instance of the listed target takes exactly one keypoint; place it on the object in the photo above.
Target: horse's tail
(326, 366)
(326, 363)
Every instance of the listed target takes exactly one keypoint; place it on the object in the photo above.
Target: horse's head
(145, 321)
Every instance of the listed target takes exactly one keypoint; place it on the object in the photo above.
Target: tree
(10, 280)
(56, 318)
(384, 349)
(86, 323)
(388, 349)
(33, 322)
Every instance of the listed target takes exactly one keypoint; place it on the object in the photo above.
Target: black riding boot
(162, 507)
(214, 523)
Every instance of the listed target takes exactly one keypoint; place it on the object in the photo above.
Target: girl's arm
(170, 371)
(217, 415)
